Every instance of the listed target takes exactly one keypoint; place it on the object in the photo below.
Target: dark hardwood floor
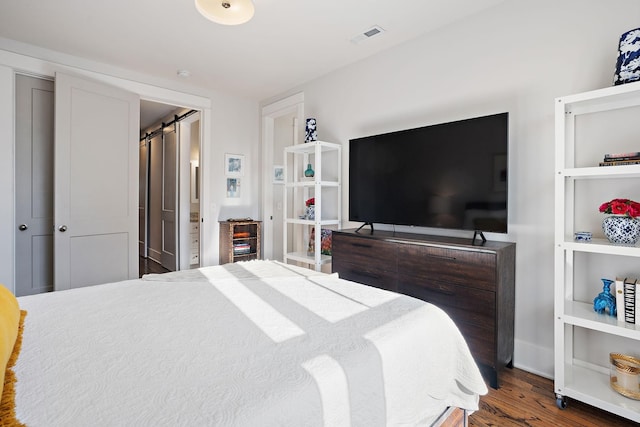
(147, 265)
(525, 399)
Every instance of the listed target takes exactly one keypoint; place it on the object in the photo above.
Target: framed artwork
(278, 174)
(233, 188)
(234, 164)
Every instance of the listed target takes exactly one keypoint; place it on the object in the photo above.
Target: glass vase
(309, 171)
(605, 302)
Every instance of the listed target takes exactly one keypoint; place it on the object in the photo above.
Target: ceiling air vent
(367, 34)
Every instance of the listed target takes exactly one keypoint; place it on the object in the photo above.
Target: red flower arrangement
(624, 207)
(310, 202)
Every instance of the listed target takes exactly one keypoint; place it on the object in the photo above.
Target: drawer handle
(439, 290)
(366, 274)
(360, 245)
(452, 258)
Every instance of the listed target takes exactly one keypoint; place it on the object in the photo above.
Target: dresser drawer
(469, 268)
(370, 275)
(365, 252)
(460, 302)
(481, 342)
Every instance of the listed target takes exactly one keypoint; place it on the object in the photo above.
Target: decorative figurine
(311, 130)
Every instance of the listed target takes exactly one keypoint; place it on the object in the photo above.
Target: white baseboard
(535, 359)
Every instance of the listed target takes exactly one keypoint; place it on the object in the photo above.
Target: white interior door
(95, 184)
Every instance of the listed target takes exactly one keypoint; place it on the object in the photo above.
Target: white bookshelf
(325, 187)
(588, 125)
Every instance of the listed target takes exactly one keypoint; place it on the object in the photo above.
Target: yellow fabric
(9, 322)
(8, 396)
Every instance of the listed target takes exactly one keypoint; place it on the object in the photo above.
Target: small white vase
(621, 229)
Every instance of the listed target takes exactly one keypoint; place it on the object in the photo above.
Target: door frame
(14, 63)
(185, 187)
(284, 107)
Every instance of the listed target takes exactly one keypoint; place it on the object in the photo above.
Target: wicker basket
(625, 375)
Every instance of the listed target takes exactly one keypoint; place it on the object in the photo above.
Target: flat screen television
(449, 175)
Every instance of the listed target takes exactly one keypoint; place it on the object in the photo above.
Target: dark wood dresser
(475, 285)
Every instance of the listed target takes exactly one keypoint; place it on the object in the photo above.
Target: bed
(257, 343)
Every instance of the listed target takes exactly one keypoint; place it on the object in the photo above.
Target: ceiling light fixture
(226, 12)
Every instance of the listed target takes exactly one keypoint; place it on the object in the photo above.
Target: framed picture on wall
(234, 164)
(233, 188)
(278, 174)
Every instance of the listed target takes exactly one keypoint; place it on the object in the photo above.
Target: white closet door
(34, 185)
(96, 183)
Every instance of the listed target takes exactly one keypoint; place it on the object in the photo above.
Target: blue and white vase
(628, 62)
(311, 130)
(310, 212)
(621, 229)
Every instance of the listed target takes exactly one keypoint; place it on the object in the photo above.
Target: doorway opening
(169, 187)
(280, 128)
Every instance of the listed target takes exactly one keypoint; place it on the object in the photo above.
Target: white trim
(283, 104)
(7, 178)
(187, 193)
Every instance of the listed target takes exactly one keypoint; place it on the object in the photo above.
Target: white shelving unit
(588, 125)
(325, 186)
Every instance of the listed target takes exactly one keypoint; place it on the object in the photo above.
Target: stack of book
(628, 300)
(241, 248)
(617, 159)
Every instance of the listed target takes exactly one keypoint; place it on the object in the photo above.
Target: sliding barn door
(143, 198)
(96, 183)
(170, 159)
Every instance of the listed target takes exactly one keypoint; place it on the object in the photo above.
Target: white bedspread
(249, 344)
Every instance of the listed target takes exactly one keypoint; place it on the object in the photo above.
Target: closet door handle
(62, 228)
(22, 227)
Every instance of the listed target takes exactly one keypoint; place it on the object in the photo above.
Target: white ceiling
(287, 43)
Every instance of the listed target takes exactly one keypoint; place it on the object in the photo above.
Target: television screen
(450, 175)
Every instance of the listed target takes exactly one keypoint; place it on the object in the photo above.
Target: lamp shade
(226, 12)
